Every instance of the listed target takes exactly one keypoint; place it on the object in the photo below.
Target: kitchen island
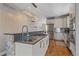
(36, 46)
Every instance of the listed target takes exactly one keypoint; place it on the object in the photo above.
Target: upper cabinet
(72, 10)
(71, 17)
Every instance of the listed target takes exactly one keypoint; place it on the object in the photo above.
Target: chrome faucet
(23, 27)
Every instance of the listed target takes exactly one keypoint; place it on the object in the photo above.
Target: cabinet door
(45, 42)
(72, 48)
(37, 49)
(43, 46)
(40, 48)
(23, 49)
(47, 38)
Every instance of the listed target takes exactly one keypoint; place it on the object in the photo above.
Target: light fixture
(28, 13)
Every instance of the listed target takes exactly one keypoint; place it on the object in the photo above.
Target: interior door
(50, 29)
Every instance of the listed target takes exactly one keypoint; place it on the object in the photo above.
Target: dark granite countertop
(34, 32)
(32, 41)
(11, 33)
(33, 38)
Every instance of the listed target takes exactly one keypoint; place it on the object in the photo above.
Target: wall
(72, 11)
(6, 21)
(38, 24)
(11, 21)
(58, 23)
(77, 29)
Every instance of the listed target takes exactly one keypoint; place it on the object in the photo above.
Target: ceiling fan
(34, 5)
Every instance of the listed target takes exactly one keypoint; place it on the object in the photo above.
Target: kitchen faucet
(24, 27)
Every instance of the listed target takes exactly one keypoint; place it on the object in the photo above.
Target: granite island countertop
(33, 40)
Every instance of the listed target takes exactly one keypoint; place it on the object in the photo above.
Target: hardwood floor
(58, 48)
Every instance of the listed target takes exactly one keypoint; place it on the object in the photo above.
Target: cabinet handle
(46, 42)
(40, 44)
(43, 44)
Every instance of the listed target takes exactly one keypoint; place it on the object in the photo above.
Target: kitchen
(25, 27)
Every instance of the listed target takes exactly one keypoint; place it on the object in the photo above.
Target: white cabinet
(45, 45)
(38, 49)
(23, 49)
(72, 48)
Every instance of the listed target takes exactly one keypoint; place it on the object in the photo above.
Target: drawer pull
(40, 44)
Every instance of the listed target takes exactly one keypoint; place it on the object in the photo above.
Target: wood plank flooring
(57, 48)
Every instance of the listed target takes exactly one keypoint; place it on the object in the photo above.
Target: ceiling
(43, 9)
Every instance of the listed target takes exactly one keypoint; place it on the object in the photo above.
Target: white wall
(6, 22)
(77, 29)
(58, 23)
(72, 9)
(11, 21)
(38, 24)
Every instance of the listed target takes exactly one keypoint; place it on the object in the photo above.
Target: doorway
(50, 30)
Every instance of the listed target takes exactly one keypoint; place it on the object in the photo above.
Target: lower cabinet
(45, 45)
(38, 49)
(72, 48)
(23, 49)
